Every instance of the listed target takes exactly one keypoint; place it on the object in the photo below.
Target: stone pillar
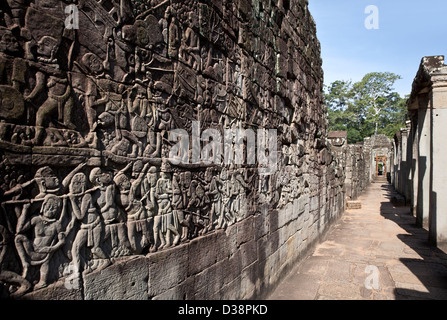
(407, 159)
(423, 200)
(414, 160)
(438, 193)
(403, 166)
(397, 162)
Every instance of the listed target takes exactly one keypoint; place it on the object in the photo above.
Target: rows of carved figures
(107, 93)
(95, 215)
(118, 86)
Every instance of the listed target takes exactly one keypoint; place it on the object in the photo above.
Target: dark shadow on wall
(430, 269)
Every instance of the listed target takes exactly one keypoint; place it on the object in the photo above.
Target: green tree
(367, 107)
(337, 99)
(374, 95)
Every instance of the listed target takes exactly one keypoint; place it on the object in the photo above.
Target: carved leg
(44, 269)
(79, 242)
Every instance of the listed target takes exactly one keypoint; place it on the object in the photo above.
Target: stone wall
(95, 204)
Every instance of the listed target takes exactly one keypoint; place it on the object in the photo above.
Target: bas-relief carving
(84, 125)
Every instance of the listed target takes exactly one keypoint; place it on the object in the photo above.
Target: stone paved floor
(373, 253)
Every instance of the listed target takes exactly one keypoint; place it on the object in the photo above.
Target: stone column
(423, 200)
(407, 159)
(403, 167)
(414, 160)
(438, 191)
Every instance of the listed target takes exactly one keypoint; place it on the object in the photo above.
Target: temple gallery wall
(92, 207)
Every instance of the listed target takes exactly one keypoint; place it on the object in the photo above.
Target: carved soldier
(173, 34)
(214, 194)
(178, 207)
(60, 99)
(129, 200)
(225, 190)
(163, 221)
(12, 78)
(92, 66)
(48, 236)
(190, 45)
(91, 232)
(104, 198)
(237, 192)
(196, 206)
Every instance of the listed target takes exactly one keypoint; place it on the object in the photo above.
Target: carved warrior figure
(173, 36)
(178, 207)
(226, 215)
(214, 185)
(129, 200)
(104, 198)
(48, 236)
(190, 45)
(11, 98)
(197, 206)
(91, 232)
(164, 222)
(60, 99)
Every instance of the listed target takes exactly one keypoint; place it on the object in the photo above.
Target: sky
(407, 32)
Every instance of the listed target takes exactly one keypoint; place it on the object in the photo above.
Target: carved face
(51, 182)
(9, 43)
(77, 184)
(186, 178)
(105, 178)
(165, 175)
(51, 207)
(136, 168)
(152, 176)
(47, 46)
(95, 65)
(223, 175)
(123, 182)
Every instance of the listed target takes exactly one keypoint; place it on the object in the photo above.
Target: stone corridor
(373, 253)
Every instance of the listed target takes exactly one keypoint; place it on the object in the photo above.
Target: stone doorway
(381, 169)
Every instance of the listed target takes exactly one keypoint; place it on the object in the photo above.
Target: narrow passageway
(373, 253)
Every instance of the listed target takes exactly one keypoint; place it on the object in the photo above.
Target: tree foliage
(370, 106)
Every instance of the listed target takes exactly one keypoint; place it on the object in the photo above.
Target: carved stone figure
(237, 192)
(12, 77)
(104, 199)
(91, 232)
(214, 194)
(226, 214)
(60, 99)
(190, 45)
(129, 200)
(178, 208)
(173, 33)
(164, 220)
(198, 207)
(48, 236)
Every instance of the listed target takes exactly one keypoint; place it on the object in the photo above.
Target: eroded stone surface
(92, 202)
